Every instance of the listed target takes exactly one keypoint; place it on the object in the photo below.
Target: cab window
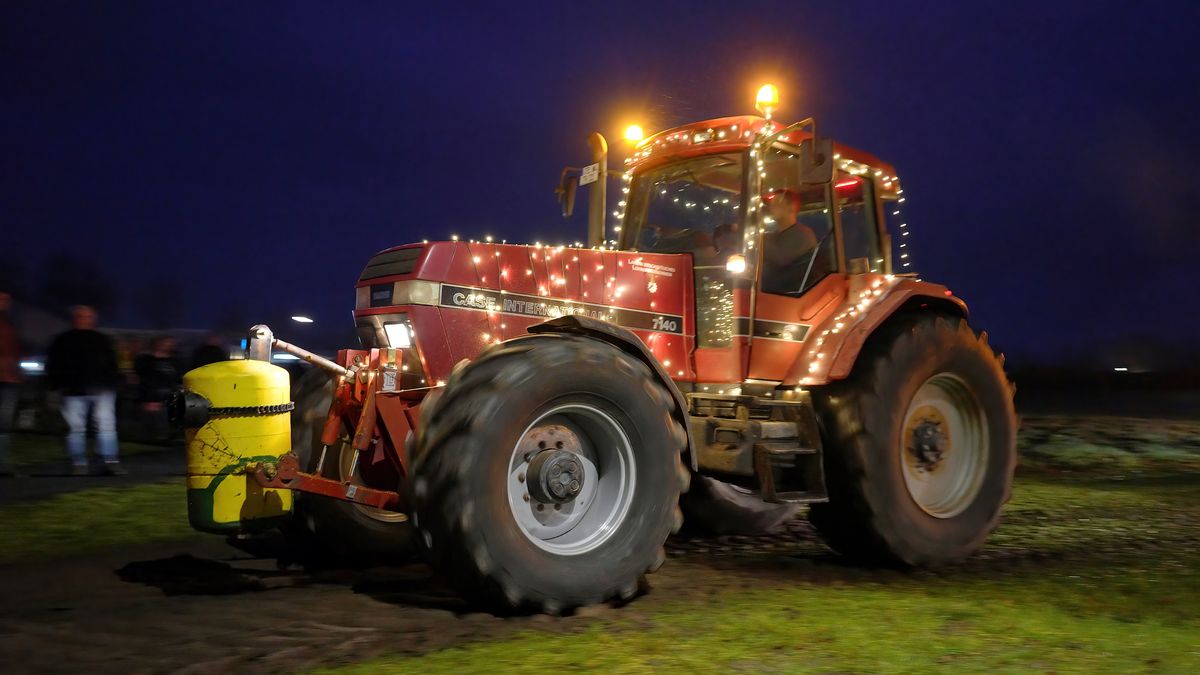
(688, 207)
(798, 247)
(855, 197)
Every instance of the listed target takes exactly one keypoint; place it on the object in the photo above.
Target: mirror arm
(564, 193)
(810, 121)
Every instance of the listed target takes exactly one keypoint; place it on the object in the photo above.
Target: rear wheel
(344, 531)
(548, 473)
(921, 446)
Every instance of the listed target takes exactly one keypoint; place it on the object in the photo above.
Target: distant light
(284, 357)
(1121, 369)
(33, 366)
(634, 133)
(302, 319)
(846, 183)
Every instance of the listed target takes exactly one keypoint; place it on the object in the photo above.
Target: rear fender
(628, 342)
(903, 297)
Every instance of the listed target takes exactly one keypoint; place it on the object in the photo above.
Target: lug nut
(521, 477)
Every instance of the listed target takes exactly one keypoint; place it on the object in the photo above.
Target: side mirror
(816, 155)
(567, 185)
(816, 161)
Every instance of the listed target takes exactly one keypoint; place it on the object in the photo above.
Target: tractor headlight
(736, 264)
(398, 336)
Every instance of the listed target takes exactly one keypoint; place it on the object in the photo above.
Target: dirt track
(206, 607)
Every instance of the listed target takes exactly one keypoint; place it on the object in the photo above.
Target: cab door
(843, 218)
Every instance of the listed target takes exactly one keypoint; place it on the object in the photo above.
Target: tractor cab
(782, 227)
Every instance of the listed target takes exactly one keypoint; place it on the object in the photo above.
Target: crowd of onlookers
(94, 380)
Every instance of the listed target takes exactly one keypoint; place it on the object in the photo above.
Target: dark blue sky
(256, 154)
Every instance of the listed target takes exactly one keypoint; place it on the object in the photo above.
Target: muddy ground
(204, 606)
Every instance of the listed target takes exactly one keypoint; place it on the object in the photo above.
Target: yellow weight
(221, 496)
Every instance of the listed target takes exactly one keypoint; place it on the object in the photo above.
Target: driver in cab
(788, 246)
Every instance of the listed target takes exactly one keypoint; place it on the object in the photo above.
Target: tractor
(539, 419)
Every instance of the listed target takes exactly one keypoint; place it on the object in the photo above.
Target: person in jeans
(10, 380)
(82, 366)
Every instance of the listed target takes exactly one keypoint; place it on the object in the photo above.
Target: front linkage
(367, 400)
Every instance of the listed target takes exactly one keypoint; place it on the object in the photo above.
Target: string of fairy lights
(612, 291)
(889, 183)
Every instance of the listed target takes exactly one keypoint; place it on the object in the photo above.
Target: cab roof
(734, 134)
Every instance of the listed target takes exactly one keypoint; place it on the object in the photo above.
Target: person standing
(10, 380)
(82, 366)
(158, 377)
(210, 351)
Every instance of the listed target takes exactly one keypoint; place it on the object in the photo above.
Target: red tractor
(531, 415)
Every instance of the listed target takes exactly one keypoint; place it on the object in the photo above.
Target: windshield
(692, 206)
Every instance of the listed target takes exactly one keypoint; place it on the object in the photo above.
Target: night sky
(252, 156)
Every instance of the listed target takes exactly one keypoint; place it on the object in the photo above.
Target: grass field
(30, 449)
(77, 523)
(1095, 568)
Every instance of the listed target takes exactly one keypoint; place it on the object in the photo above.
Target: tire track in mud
(203, 606)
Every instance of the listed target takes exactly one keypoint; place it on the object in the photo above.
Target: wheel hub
(570, 478)
(928, 442)
(555, 476)
(944, 446)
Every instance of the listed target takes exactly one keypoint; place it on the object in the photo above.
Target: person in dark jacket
(788, 248)
(82, 367)
(211, 351)
(10, 380)
(158, 377)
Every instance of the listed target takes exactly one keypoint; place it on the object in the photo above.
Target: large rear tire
(920, 446)
(547, 475)
(332, 529)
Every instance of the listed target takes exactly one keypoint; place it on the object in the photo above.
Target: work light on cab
(767, 100)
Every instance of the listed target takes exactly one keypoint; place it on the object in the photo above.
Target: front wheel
(547, 475)
(920, 446)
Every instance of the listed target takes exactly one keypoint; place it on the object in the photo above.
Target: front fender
(842, 347)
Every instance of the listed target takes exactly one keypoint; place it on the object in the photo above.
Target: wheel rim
(587, 446)
(944, 446)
